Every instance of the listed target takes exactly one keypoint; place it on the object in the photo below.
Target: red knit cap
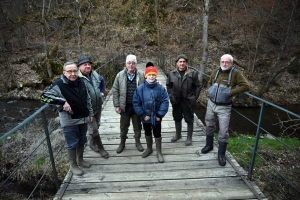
(150, 70)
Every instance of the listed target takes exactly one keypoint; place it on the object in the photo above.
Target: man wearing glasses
(96, 88)
(71, 97)
(124, 86)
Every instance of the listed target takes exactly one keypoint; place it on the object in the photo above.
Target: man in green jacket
(223, 84)
(96, 87)
(183, 87)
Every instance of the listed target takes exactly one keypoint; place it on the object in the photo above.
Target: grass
(241, 147)
(273, 161)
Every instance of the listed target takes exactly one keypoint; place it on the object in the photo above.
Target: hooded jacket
(151, 100)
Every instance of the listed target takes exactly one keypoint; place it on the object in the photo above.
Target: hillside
(263, 37)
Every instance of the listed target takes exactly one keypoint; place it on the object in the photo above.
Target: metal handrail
(109, 71)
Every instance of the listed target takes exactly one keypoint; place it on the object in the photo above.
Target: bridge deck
(185, 174)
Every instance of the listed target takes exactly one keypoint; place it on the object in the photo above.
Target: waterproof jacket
(73, 92)
(93, 88)
(185, 89)
(221, 90)
(119, 88)
(151, 100)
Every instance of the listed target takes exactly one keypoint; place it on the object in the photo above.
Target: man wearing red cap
(151, 103)
(184, 87)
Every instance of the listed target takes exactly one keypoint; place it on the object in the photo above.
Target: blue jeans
(75, 135)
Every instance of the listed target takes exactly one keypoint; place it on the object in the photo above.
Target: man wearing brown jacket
(183, 87)
(223, 84)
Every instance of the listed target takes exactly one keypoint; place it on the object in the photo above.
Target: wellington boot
(101, 149)
(177, 136)
(138, 144)
(73, 164)
(121, 146)
(137, 136)
(160, 157)
(190, 130)
(80, 161)
(149, 149)
(209, 144)
(123, 137)
(221, 153)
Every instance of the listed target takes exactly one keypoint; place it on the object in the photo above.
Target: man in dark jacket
(70, 96)
(184, 87)
(96, 87)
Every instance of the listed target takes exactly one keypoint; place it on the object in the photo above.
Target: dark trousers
(181, 110)
(148, 127)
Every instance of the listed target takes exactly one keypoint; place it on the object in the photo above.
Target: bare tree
(205, 11)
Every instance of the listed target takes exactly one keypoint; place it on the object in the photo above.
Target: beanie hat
(83, 59)
(181, 56)
(149, 64)
(131, 56)
(150, 70)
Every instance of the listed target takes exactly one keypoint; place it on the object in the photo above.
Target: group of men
(79, 94)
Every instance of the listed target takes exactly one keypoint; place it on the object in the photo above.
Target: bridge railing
(45, 145)
(283, 176)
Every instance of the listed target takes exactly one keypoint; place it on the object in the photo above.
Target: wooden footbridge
(185, 174)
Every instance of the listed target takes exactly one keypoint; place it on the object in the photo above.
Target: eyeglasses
(131, 63)
(72, 71)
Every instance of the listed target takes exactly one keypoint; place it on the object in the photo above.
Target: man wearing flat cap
(96, 87)
(183, 87)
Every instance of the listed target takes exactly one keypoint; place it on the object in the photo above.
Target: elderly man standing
(223, 84)
(70, 96)
(184, 87)
(96, 88)
(124, 86)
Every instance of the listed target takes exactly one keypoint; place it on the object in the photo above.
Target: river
(270, 119)
(13, 113)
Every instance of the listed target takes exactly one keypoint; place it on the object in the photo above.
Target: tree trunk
(204, 39)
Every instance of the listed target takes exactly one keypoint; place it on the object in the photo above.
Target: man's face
(131, 65)
(225, 63)
(71, 72)
(85, 68)
(181, 64)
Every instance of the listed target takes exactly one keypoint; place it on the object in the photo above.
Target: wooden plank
(196, 194)
(159, 185)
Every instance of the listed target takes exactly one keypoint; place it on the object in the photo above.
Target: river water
(272, 116)
(12, 113)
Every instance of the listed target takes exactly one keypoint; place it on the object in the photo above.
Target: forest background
(38, 36)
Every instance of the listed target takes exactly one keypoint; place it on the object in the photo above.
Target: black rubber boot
(159, 155)
(101, 149)
(123, 136)
(149, 149)
(177, 136)
(190, 130)
(221, 153)
(79, 154)
(73, 164)
(209, 144)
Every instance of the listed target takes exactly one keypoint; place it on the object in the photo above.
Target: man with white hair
(224, 83)
(123, 89)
